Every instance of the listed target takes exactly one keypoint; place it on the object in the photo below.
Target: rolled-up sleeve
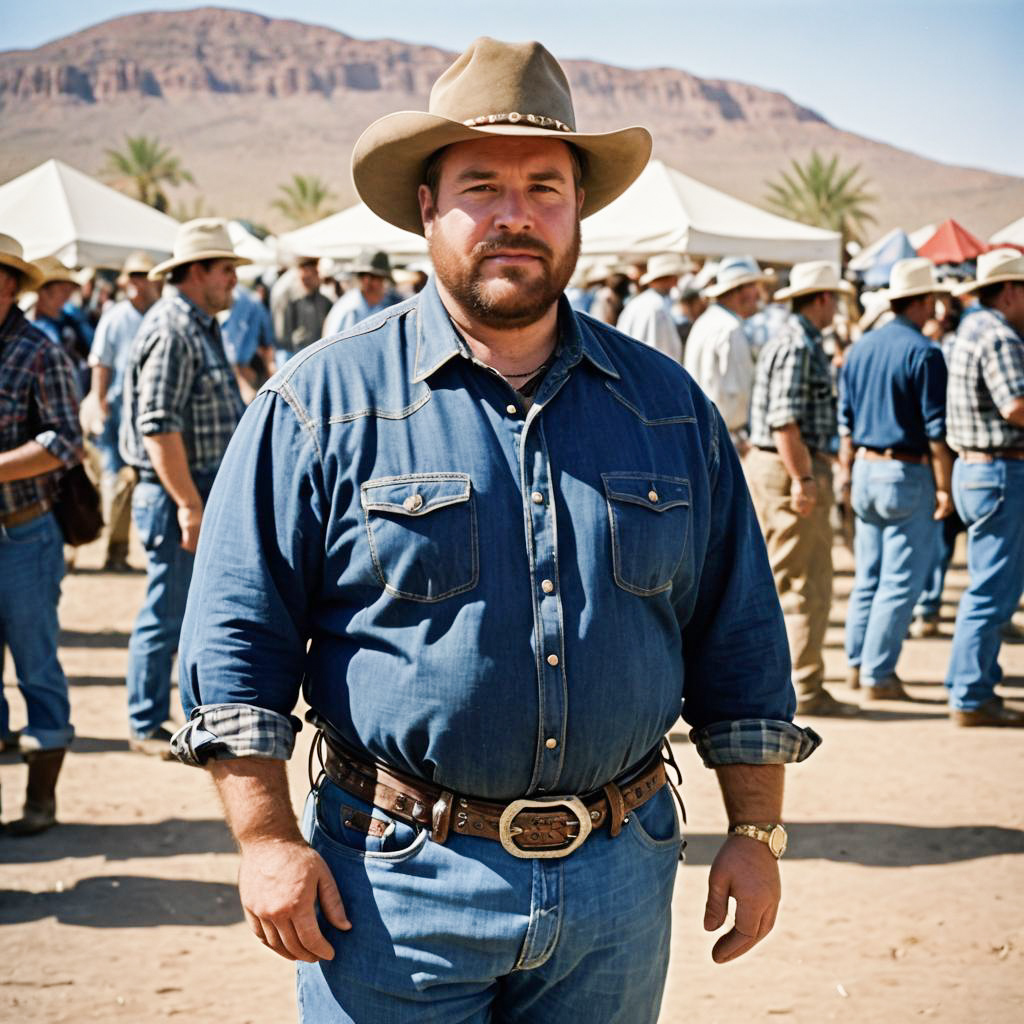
(165, 381)
(57, 399)
(246, 626)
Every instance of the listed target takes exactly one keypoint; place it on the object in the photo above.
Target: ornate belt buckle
(507, 831)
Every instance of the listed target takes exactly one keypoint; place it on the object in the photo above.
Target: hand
(943, 505)
(746, 870)
(190, 518)
(804, 496)
(279, 882)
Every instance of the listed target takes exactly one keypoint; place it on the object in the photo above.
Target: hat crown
(11, 247)
(999, 262)
(205, 234)
(915, 274)
(495, 82)
(821, 275)
(734, 267)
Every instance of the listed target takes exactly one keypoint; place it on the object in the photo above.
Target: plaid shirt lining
(225, 731)
(38, 402)
(986, 373)
(754, 741)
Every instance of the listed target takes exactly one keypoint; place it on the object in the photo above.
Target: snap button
(511, 409)
(551, 743)
(552, 660)
(652, 494)
(547, 586)
(413, 503)
(537, 498)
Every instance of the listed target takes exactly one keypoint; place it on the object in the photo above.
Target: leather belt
(534, 827)
(874, 454)
(24, 515)
(999, 453)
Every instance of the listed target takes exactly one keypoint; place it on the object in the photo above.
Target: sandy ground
(904, 885)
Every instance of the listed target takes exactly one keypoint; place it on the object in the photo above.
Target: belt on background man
(875, 454)
(24, 515)
(1016, 454)
(146, 476)
(534, 827)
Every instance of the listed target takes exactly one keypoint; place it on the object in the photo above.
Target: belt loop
(441, 816)
(669, 757)
(616, 808)
(316, 750)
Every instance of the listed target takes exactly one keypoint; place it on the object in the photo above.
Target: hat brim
(973, 286)
(911, 293)
(714, 290)
(161, 269)
(792, 293)
(388, 159)
(46, 279)
(31, 275)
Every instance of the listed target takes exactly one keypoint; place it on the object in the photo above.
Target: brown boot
(40, 811)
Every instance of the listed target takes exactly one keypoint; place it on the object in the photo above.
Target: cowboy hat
(910, 277)
(52, 271)
(11, 258)
(816, 276)
(370, 262)
(139, 262)
(667, 264)
(876, 305)
(494, 88)
(734, 272)
(998, 265)
(203, 239)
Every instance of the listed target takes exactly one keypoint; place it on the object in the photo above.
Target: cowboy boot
(40, 811)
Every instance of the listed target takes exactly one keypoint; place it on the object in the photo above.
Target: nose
(512, 212)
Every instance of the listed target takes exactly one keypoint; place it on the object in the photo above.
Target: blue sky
(943, 78)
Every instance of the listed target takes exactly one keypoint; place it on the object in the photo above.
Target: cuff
(223, 731)
(60, 447)
(754, 741)
(159, 421)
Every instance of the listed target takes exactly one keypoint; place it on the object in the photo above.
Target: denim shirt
(502, 601)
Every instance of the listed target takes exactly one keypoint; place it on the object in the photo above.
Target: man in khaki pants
(792, 423)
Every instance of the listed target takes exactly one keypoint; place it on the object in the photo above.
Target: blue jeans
(154, 638)
(894, 545)
(930, 602)
(31, 568)
(107, 441)
(990, 499)
(465, 932)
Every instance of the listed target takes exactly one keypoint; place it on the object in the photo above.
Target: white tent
(55, 210)
(1012, 234)
(344, 235)
(664, 210)
(262, 252)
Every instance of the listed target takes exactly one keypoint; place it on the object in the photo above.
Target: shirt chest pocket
(422, 533)
(649, 518)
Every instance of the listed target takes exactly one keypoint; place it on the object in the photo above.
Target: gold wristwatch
(773, 835)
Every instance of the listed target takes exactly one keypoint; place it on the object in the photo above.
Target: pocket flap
(657, 493)
(415, 494)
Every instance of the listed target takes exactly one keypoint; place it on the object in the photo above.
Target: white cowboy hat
(494, 88)
(816, 276)
(998, 265)
(52, 271)
(910, 277)
(667, 264)
(734, 272)
(11, 257)
(206, 238)
(876, 305)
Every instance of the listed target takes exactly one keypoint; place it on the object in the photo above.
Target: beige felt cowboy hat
(734, 272)
(206, 238)
(11, 258)
(494, 88)
(910, 277)
(52, 271)
(667, 264)
(816, 276)
(998, 265)
(139, 262)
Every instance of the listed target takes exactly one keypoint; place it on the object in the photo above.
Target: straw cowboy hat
(136, 263)
(734, 272)
(910, 277)
(203, 239)
(816, 276)
(11, 258)
(52, 271)
(995, 266)
(667, 264)
(494, 88)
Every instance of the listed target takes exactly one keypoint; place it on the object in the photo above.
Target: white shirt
(719, 360)
(350, 310)
(648, 319)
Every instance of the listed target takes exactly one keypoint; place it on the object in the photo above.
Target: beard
(520, 295)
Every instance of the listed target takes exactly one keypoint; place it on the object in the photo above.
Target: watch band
(773, 836)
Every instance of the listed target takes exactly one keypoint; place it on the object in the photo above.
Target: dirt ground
(903, 887)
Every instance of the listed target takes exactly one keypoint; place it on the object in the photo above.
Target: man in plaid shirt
(792, 424)
(39, 435)
(985, 425)
(181, 406)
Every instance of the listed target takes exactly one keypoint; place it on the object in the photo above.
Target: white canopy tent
(55, 210)
(664, 210)
(342, 236)
(1012, 234)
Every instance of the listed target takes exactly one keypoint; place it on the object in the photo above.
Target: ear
(427, 209)
(580, 196)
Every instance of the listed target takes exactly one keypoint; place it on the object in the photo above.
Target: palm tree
(824, 195)
(304, 199)
(146, 165)
(184, 210)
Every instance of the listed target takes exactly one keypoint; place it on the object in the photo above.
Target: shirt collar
(810, 330)
(437, 341)
(206, 319)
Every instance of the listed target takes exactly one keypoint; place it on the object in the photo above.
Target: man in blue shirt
(892, 425)
(372, 272)
(498, 545)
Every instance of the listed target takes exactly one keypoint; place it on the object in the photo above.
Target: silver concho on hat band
(540, 120)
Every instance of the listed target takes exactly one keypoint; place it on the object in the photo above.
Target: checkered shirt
(986, 373)
(220, 731)
(754, 741)
(793, 384)
(178, 380)
(38, 402)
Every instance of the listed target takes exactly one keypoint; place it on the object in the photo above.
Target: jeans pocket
(649, 519)
(350, 826)
(423, 535)
(153, 513)
(655, 824)
(979, 494)
(898, 499)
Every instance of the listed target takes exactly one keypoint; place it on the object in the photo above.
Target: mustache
(525, 243)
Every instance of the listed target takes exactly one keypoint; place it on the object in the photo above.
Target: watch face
(778, 840)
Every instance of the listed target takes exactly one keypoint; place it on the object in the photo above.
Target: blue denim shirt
(500, 600)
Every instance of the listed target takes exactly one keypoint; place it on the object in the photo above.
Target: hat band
(539, 120)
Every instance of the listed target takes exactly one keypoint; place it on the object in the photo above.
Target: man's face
(216, 284)
(372, 287)
(9, 284)
(141, 291)
(747, 297)
(309, 277)
(1013, 307)
(52, 297)
(504, 230)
